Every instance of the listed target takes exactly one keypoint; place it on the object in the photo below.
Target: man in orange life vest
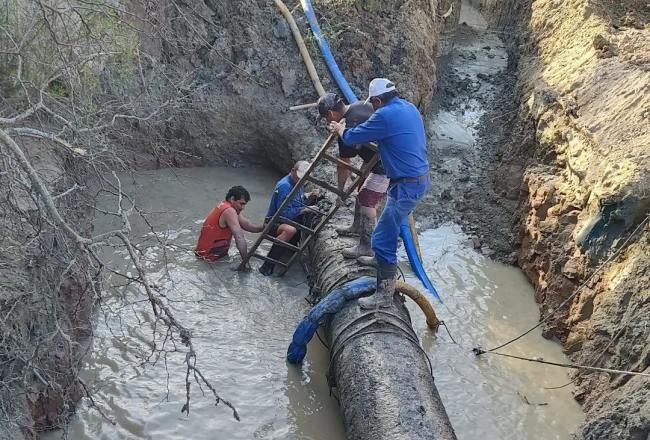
(224, 222)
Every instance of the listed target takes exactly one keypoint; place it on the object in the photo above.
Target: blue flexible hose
(414, 259)
(329, 305)
(327, 53)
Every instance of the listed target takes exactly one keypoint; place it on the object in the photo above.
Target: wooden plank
(270, 260)
(328, 187)
(296, 225)
(343, 163)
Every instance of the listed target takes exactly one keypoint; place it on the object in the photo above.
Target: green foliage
(58, 89)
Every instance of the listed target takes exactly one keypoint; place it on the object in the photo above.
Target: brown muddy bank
(581, 139)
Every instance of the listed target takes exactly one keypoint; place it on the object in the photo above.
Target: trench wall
(583, 78)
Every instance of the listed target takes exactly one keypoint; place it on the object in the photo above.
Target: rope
(479, 351)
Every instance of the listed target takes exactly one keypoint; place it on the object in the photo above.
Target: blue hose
(329, 305)
(414, 259)
(411, 250)
(327, 53)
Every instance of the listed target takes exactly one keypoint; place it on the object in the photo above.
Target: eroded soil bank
(580, 140)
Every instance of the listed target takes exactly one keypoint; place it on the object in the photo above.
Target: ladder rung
(343, 163)
(327, 186)
(295, 225)
(281, 243)
(270, 260)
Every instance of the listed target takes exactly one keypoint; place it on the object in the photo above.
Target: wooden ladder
(307, 232)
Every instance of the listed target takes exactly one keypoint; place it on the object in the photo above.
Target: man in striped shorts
(374, 187)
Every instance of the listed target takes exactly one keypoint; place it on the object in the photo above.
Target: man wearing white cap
(397, 127)
(292, 211)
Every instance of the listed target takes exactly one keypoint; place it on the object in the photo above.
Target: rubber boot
(366, 226)
(275, 252)
(383, 296)
(353, 229)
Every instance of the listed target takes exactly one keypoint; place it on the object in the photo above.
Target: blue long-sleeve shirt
(282, 189)
(398, 129)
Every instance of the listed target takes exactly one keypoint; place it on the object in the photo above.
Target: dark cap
(326, 103)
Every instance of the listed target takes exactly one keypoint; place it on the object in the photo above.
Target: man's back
(358, 113)
(406, 141)
(282, 190)
(398, 128)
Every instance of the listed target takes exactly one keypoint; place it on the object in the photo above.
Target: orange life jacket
(214, 241)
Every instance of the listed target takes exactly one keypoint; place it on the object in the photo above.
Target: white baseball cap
(301, 168)
(379, 86)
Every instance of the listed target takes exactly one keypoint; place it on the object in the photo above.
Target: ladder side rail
(287, 199)
(302, 180)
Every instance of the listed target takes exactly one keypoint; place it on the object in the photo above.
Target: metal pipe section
(383, 377)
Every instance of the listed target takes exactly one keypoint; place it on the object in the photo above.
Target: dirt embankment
(584, 82)
(244, 69)
(246, 60)
(42, 277)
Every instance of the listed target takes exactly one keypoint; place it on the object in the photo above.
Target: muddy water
(485, 304)
(243, 322)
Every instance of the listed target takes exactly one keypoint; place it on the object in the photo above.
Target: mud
(253, 72)
(245, 71)
(469, 121)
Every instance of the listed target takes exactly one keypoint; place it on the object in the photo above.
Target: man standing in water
(397, 127)
(374, 187)
(224, 222)
(292, 211)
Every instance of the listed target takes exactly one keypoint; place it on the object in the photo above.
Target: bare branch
(41, 189)
(32, 132)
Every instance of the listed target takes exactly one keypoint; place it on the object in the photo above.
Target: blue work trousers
(402, 200)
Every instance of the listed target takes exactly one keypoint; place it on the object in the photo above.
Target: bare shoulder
(230, 216)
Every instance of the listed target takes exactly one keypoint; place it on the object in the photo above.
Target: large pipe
(301, 46)
(382, 375)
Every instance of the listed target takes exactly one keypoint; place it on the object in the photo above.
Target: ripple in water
(242, 325)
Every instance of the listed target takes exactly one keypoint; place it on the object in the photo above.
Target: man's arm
(232, 220)
(248, 225)
(374, 129)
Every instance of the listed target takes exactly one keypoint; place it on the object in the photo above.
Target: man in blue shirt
(397, 127)
(292, 211)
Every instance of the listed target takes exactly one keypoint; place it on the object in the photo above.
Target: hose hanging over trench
(327, 53)
(301, 46)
